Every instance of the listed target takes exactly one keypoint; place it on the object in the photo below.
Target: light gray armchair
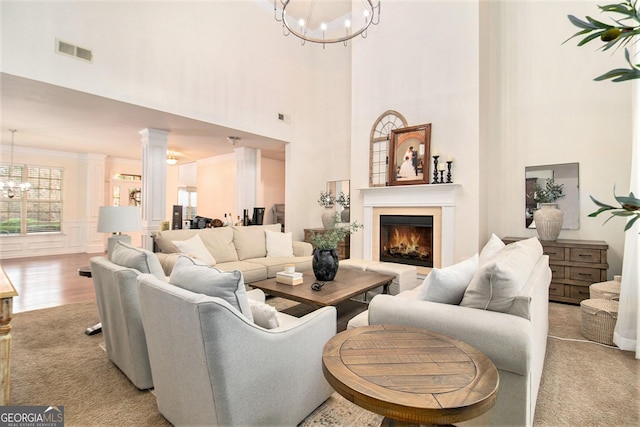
(212, 366)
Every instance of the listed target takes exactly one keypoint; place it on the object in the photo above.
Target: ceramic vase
(328, 219)
(548, 221)
(325, 264)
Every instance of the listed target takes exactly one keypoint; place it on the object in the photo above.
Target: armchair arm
(302, 249)
(504, 338)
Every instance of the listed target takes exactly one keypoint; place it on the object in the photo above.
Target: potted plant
(325, 255)
(629, 207)
(548, 217)
(327, 201)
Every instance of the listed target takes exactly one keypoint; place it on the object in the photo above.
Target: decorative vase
(328, 219)
(548, 221)
(344, 215)
(325, 264)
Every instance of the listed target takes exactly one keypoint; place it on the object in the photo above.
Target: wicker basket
(605, 290)
(599, 317)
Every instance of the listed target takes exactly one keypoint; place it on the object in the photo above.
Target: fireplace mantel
(441, 196)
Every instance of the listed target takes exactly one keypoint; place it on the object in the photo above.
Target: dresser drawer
(556, 289)
(557, 271)
(579, 292)
(591, 256)
(585, 274)
(555, 253)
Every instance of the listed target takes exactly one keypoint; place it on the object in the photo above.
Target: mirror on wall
(566, 174)
(340, 190)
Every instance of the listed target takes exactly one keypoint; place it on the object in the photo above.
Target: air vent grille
(78, 52)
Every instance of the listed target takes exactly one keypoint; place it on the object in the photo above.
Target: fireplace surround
(435, 200)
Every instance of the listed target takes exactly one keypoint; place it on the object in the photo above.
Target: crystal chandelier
(10, 187)
(325, 21)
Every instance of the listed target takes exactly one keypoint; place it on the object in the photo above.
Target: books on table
(289, 278)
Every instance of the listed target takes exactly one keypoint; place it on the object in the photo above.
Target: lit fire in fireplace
(405, 243)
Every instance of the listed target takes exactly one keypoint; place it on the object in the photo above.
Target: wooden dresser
(575, 264)
(344, 247)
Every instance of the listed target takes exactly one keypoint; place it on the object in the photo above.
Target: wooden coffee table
(410, 374)
(347, 284)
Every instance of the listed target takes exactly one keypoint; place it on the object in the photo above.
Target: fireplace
(407, 239)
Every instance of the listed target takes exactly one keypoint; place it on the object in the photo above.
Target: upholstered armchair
(212, 365)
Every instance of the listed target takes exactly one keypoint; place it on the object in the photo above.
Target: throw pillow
(279, 244)
(447, 285)
(263, 314)
(496, 284)
(490, 250)
(139, 259)
(194, 248)
(193, 276)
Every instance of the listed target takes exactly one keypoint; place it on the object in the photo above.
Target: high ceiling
(55, 118)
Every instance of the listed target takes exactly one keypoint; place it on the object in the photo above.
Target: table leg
(6, 306)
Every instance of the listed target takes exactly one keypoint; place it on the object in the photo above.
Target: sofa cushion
(278, 244)
(137, 258)
(495, 284)
(219, 241)
(490, 250)
(192, 275)
(447, 285)
(263, 314)
(194, 248)
(250, 242)
(274, 265)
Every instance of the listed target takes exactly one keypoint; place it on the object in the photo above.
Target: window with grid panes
(38, 210)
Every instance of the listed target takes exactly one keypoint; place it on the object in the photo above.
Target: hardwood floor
(49, 281)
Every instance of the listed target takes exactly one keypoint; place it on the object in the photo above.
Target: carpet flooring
(54, 363)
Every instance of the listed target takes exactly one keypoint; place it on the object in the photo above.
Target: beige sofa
(236, 248)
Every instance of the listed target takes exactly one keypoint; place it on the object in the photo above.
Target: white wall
(272, 186)
(223, 62)
(547, 109)
(422, 61)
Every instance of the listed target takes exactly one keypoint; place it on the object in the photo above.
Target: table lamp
(116, 220)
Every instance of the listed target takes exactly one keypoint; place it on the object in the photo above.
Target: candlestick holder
(442, 176)
(449, 171)
(435, 169)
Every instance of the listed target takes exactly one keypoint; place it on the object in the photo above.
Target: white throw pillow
(490, 250)
(189, 274)
(139, 259)
(263, 314)
(496, 284)
(194, 248)
(279, 244)
(447, 285)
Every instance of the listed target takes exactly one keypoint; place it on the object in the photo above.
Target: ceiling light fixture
(171, 158)
(10, 186)
(233, 139)
(326, 22)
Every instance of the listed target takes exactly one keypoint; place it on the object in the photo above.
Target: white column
(247, 179)
(154, 182)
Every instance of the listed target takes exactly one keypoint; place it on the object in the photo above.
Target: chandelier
(10, 186)
(326, 21)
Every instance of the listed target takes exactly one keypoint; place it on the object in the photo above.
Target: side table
(97, 328)
(410, 374)
(7, 292)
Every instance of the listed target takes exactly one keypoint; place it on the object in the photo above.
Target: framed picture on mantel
(409, 153)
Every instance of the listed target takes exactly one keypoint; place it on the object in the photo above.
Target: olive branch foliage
(619, 34)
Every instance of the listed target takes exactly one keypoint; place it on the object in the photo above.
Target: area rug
(55, 363)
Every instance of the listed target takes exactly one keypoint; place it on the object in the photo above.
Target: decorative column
(247, 179)
(7, 292)
(154, 182)
(94, 198)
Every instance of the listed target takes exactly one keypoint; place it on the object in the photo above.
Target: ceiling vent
(78, 52)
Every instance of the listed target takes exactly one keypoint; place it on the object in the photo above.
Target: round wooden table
(410, 374)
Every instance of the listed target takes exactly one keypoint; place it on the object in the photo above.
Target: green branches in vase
(549, 193)
(329, 239)
(629, 207)
(624, 26)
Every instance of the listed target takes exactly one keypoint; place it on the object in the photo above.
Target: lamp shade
(118, 219)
